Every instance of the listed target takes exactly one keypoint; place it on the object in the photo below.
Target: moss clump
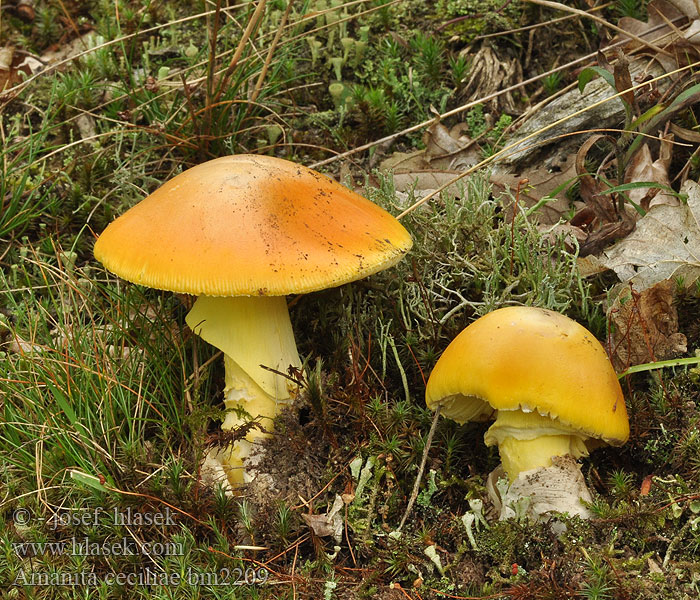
(485, 16)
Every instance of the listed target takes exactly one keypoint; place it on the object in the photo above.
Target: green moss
(485, 16)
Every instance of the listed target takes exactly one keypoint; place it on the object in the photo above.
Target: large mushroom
(554, 395)
(241, 232)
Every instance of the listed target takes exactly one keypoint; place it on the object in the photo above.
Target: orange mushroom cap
(530, 359)
(248, 225)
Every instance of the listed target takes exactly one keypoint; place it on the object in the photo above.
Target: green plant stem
(677, 362)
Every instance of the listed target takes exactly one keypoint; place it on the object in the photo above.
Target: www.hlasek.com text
(84, 547)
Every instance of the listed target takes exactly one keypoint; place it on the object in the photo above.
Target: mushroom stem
(538, 456)
(527, 440)
(253, 332)
(524, 455)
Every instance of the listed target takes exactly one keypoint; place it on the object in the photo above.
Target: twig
(421, 469)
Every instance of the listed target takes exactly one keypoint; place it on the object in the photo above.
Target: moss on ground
(108, 403)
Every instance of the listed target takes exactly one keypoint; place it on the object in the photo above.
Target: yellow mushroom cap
(530, 359)
(251, 225)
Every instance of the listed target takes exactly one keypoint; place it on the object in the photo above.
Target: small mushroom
(553, 393)
(241, 232)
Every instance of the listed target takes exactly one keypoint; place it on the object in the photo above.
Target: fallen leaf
(6, 76)
(590, 265)
(606, 223)
(438, 142)
(688, 7)
(447, 153)
(573, 236)
(660, 13)
(623, 79)
(645, 326)
(551, 177)
(212, 472)
(664, 245)
(15, 65)
(72, 49)
(642, 168)
(666, 20)
(330, 523)
(86, 126)
(691, 34)
(591, 189)
(450, 149)
(23, 347)
(685, 134)
(412, 172)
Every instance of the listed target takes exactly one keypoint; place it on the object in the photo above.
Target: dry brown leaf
(86, 126)
(664, 245)
(590, 265)
(685, 134)
(14, 65)
(654, 568)
(212, 472)
(22, 346)
(660, 12)
(321, 525)
(6, 55)
(591, 189)
(70, 50)
(605, 221)
(645, 326)
(439, 143)
(329, 524)
(450, 149)
(412, 171)
(573, 236)
(543, 179)
(666, 24)
(447, 153)
(688, 7)
(692, 33)
(623, 79)
(643, 168)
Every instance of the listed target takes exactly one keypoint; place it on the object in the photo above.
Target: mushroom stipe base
(558, 488)
(255, 335)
